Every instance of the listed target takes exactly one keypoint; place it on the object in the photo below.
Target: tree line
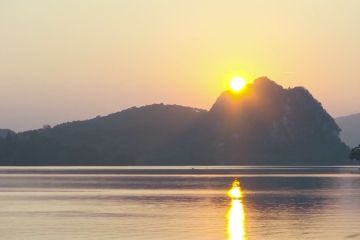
(355, 153)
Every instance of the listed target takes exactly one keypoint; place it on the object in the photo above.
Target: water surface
(136, 203)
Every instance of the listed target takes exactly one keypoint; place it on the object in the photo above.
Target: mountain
(263, 125)
(125, 138)
(4, 133)
(266, 125)
(350, 126)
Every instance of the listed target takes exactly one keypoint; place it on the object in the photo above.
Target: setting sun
(237, 84)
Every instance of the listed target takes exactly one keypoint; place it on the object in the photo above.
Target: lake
(137, 203)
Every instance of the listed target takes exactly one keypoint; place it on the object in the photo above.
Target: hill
(264, 125)
(4, 133)
(123, 138)
(350, 126)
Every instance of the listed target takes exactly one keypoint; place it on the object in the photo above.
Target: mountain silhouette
(263, 125)
(5, 133)
(350, 126)
(266, 125)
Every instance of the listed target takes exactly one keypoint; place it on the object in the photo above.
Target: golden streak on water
(236, 215)
(235, 190)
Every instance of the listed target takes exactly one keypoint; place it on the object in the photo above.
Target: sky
(65, 60)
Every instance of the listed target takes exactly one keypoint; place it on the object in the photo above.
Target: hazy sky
(75, 59)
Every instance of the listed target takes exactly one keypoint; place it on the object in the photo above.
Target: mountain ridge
(350, 126)
(265, 124)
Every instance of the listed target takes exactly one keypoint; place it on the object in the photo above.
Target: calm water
(179, 203)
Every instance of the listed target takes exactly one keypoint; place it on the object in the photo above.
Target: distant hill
(124, 138)
(350, 126)
(4, 133)
(264, 125)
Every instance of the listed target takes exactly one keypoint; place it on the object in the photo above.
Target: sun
(237, 84)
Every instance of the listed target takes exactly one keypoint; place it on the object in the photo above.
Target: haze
(69, 60)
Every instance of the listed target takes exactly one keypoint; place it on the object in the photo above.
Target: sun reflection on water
(236, 214)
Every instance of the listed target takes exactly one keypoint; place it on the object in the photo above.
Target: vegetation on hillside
(355, 153)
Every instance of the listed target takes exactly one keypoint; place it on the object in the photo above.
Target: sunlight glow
(237, 84)
(236, 214)
(235, 190)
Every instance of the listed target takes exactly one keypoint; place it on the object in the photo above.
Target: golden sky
(75, 59)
